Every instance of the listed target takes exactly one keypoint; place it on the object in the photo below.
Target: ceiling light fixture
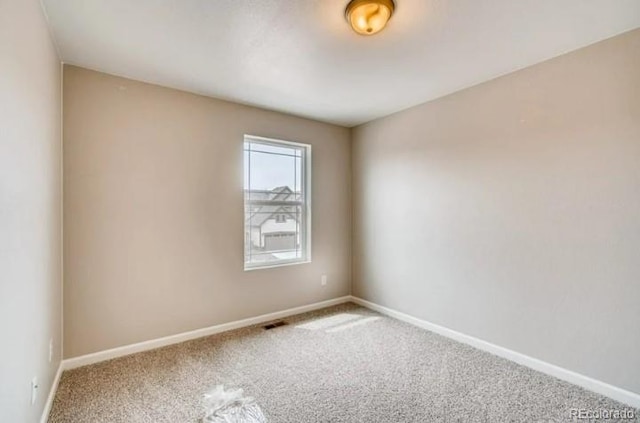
(368, 17)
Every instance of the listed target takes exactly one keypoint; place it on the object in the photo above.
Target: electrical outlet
(50, 350)
(323, 280)
(34, 390)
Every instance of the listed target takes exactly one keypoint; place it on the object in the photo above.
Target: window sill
(273, 266)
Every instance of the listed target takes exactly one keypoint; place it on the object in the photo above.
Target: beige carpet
(341, 364)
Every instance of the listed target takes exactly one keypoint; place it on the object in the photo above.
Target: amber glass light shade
(368, 17)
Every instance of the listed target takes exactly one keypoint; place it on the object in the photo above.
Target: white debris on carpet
(230, 406)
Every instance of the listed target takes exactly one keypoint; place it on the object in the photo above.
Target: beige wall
(30, 209)
(154, 213)
(510, 211)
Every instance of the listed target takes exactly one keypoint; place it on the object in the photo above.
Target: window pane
(275, 208)
(271, 171)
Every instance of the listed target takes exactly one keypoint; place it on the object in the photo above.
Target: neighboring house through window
(276, 198)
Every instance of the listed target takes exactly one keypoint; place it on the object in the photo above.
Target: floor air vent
(275, 325)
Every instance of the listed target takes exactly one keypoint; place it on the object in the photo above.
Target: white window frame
(305, 241)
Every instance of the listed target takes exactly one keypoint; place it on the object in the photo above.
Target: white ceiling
(301, 57)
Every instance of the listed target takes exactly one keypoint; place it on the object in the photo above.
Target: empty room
(300, 211)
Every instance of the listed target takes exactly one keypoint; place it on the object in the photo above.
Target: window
(277, 214)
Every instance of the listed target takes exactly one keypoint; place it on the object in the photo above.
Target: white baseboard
(52, 394)
(84, 360)
(618, 394)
